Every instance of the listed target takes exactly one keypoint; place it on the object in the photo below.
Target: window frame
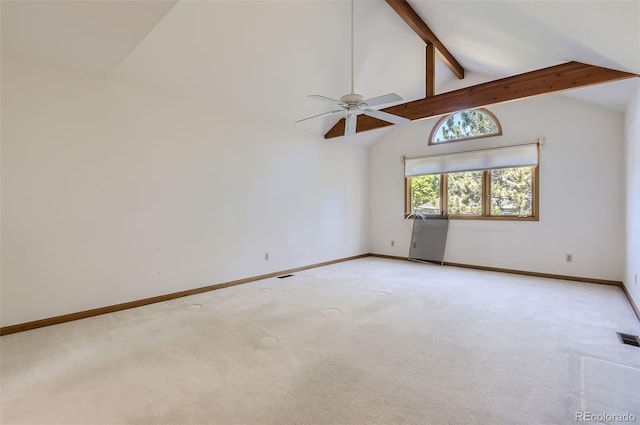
(436, 127)
(486, 198)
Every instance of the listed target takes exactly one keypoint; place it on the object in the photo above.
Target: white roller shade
(512, 156)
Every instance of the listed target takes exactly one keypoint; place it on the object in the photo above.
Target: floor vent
(629, 339)
(286, 275)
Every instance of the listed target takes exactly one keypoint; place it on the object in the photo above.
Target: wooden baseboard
(634, 306)
(537, 274)
(390, 257)
(513, 271)
(21, 327)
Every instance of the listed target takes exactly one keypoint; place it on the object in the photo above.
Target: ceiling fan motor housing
(352, 99)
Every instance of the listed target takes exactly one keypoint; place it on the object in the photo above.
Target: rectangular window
(426, 194)
(512, 192)
(497, 183)
(464, 193)
(503, 193)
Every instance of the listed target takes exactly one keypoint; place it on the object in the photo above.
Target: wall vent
(286, 275)
(629, 339)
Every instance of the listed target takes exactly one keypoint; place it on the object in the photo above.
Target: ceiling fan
(354, 104)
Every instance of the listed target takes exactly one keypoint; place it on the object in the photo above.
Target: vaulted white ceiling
(265, 56)
(88, 36)
(511, 37)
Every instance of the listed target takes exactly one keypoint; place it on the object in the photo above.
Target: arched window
(465, 125)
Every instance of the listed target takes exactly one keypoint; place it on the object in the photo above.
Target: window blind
(486, 159)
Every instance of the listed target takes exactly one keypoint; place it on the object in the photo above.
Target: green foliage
(511, 188)
(466, 124)
(511, 191)
(465, 193)
(425, 192)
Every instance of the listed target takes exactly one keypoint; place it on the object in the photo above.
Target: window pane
(425, 194)
(465, 125)
(512, 191)
(465, 193)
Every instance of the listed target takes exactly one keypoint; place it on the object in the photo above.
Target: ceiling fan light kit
(353, 104)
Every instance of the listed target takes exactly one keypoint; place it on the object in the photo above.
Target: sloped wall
(113, 191)
(581, 192)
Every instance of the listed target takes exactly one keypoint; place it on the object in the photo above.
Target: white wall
(581, 196)
(113, 192)
(632, 155)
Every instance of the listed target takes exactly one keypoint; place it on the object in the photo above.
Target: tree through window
(465, 125)
(498, 183)
(502, 193)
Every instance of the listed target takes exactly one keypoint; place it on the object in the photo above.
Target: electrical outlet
(266, 256)
(415, 244)
(393, 243)
(636, 278)
(569, 258)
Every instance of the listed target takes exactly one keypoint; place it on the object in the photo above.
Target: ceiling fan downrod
(354, 104)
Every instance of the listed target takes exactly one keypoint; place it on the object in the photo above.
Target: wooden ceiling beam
(430, 83)
(566, 76)
(416, 23)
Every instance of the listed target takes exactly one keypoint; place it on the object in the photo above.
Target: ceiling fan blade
(326, 99)
(350, 125)
(384, 116)
(381, 100)
(319, 115)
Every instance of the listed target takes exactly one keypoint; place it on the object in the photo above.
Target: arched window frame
(443, 119)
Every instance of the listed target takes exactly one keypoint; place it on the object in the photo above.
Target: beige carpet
(370, 341)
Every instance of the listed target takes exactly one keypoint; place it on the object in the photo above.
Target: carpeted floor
(369, 341)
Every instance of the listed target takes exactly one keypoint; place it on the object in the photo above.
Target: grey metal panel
(429, 238)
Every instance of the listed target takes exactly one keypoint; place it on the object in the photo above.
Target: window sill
(478, 217)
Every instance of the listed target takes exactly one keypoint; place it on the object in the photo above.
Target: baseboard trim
(27, 326)
(21, 327)
(390, 257)
(513, 271)
(538, 274)
(635, 308)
